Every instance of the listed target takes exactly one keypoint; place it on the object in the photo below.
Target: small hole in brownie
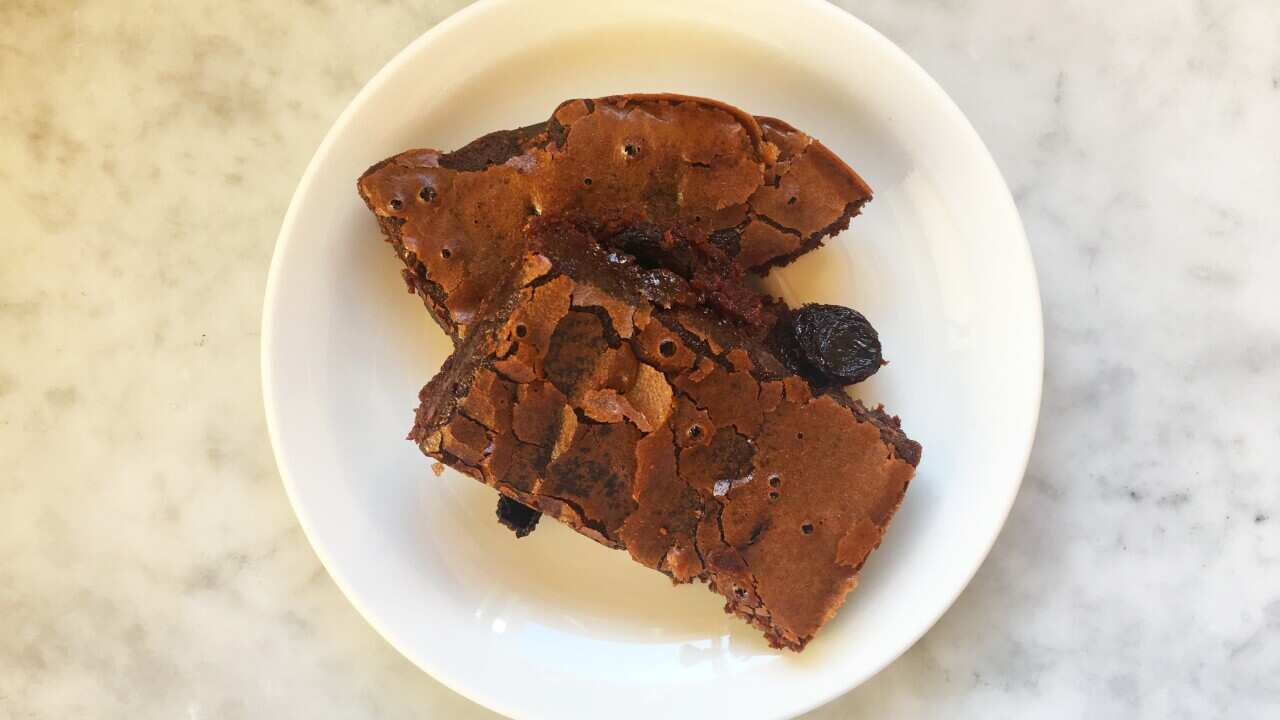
(792, 200)
(695, 431)
(427, 193)
(630, 150)
(774, 494)
(446, 253)
(775, 481)
(521, 330)
(800, 436)
(586, 181)
(807, 528)
(396, 203)
(667, 348)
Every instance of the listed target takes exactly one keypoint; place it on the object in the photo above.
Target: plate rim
(836, 15)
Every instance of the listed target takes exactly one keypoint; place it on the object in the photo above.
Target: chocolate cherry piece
(837, 342)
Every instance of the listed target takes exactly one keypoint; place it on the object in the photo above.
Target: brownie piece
(608, 395)
(760, 190)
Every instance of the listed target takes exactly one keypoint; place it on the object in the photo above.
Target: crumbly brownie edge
(414, 271)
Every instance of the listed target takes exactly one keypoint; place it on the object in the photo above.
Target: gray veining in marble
(150, 565)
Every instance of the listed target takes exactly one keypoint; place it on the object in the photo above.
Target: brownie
(607, 395)
(761, 190)
(615, 367)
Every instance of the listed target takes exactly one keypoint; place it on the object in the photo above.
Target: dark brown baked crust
(763, 190)
(668, 431)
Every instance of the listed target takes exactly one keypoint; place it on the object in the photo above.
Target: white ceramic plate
(554, 626)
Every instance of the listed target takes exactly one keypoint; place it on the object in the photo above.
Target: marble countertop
(150, 565)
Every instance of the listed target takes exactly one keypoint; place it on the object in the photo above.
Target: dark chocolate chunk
(517, 516)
